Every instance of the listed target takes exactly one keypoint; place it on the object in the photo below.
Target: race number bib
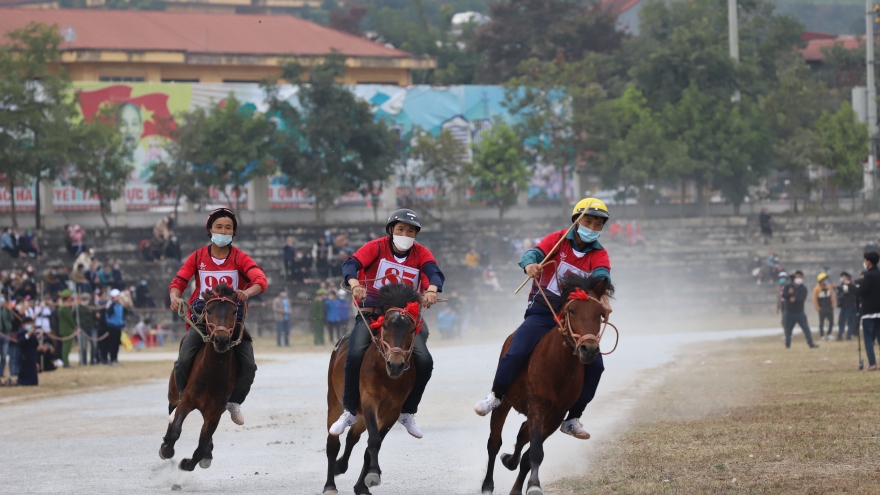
(396, 273)
(211, 279)
(564, 268)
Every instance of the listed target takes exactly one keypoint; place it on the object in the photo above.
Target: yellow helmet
(822, 276)
(591, 206)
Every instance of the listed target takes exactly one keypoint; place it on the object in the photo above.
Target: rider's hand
(359, 292)
(534, 270)
(429, 298)
(242, 296)
(175, 303)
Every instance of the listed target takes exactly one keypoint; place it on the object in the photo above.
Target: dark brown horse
(211, 380)
(551, 382)
(386, 381)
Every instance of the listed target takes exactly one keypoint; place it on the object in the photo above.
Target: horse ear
(207, 294)
(601, 288)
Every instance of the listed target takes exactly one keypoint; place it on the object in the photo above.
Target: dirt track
(108, 442)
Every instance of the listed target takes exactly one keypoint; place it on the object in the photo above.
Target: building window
(121, 79)
(189, 81)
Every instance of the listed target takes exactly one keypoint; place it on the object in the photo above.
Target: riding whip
(550, 254)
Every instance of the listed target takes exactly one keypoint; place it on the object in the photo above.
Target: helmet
(591, 206)
(404, 215)
(822, 276)
(218, 213)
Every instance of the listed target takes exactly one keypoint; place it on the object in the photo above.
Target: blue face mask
(221, 240)
(588, 235)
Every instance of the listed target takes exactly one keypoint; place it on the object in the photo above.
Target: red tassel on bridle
(411, 311)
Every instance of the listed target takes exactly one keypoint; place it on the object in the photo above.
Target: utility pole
(870, 185)
(733, 34)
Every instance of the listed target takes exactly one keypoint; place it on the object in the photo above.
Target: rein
(185, 310)
(384, 348)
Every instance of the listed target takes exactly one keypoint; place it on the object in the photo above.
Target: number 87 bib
(393, 273)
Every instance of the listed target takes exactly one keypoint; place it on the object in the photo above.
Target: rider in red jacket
(219, 263)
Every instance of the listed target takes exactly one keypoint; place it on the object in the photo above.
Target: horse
(551, 383)
(212, 378)
(384, 383)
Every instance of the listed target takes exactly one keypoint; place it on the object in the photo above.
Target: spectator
(490, 278)
(472, 260)
(318, 316)
(139, 334)
(823, 301)
(764, 222)
(114, 320)
(7, 243)
(29, 244)
(85, 259)
(162, 229)
(46, 352)
(79, 277)
(142, 297)
(340, 243)
(615, 229)
(281, 309)
(289, 258)
(634, 235)
(52, 281)
(5, 333)
(322, 253)
(869, 299)
(105, 277)
(27, 345)
(88, 331)
(77, 240)
(335, 319)
(447, 323)
(846, 301)
(146, 250)
(26, 288)
(118, 282)
(66, 325)
(795, 296)
(92, 275)
(172, 250)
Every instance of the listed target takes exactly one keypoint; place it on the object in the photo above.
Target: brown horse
(212, 378)
(551, 383)
(386, 381)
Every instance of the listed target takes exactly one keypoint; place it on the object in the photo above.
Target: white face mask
(403, 242)
(798, 281)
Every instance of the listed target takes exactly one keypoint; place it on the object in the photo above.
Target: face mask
(221, 240)
(144, 283)
(798, 281)
(588, 235)
(174, 239)
(28, 327)
(842, 280)
(782, 281)
(403, 242)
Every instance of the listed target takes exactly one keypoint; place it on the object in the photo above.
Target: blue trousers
(792, 319)
(871, 329)
(538, 321)
(847, 318)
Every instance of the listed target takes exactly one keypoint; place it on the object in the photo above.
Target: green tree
(101, 163)
(330, 144)
(443, 161)
(845, 141)
(500, 171)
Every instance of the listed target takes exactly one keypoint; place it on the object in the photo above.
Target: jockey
(399, 256)
(581, 253)
(219, 263)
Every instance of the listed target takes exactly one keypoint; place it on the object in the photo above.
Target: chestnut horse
(551, 382)
(386, 381)
(212, 378)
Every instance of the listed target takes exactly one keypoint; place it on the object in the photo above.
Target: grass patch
(748, 416)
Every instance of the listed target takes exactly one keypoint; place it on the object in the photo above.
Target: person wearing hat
(66, 324)
(395, 258)
(319, 316)
(219, 263)
(795, 295)
(579, 252)
(823, 301)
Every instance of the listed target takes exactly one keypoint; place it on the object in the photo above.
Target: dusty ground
(107, 441)
(748, 416)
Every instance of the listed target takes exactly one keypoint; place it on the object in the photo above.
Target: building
(198, 47)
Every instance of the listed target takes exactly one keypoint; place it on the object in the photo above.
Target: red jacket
(238, 270)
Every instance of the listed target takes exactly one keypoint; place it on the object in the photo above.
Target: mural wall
(146, 114)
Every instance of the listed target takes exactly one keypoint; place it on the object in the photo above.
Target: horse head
(397, 328)
(582, 312)
(221, 312)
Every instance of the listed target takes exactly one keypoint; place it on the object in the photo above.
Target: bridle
(212, 327)
(413, 312)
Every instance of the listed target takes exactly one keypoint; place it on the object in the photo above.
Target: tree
(348, 21)
(500, 171)
(844, 140)
(562, 30)
(182, 174)
(330, 144)
(101, 164)
(442, 161)
(236, 145)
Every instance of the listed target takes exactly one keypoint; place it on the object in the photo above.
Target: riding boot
(424, 365)
(592, 375)
(190, 346)
(247, 370)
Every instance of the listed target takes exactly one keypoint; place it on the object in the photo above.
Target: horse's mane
(396, 296)
(572, 281)
(221, 290)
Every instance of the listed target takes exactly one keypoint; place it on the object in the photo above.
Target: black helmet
(219, 213)
(404, 215)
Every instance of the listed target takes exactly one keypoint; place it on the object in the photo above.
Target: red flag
(152, 108)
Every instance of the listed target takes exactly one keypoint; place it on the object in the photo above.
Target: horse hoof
(205, 463)
(373, 479)
(535, 490)
(184, 465)
(330, 491)
(165, 452)
(509, 462)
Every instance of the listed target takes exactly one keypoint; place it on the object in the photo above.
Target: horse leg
(354, 435)
(209, 426)
(511, 461)
(166, 451)
(371, 475)
(332, 450)
(536, 446)
(209, 456)
(524, 465)
(496, 424)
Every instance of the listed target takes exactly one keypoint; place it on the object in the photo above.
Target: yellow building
(153, 46)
